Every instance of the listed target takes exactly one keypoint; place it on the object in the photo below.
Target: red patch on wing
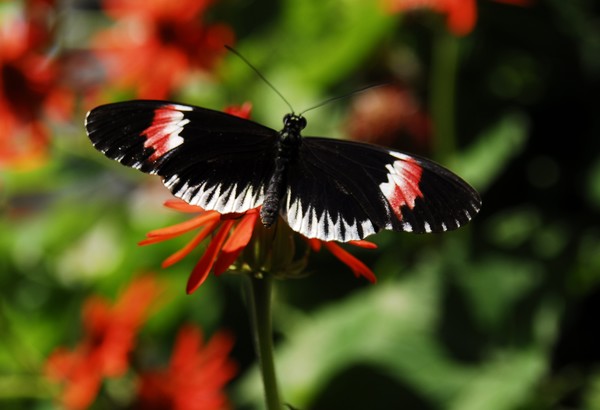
(163, 134)
(402, 187)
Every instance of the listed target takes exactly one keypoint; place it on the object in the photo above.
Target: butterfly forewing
(340, 190)
(208, 158)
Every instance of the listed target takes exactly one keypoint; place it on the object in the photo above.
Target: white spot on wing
(400, 155)
(186, 192)
(402, 186)
(314, 223)
(350, 230)
(296, 211)
(162, 135)
(244, 200)
(332, 229)
(226, 199)
(182, 107)
(201, 197)
(215, 198)
(213, 203)
(321, 226)
(367, 228)
(305, 225)
(171, 181)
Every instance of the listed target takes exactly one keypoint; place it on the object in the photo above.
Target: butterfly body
(288, 142)
(323, 188)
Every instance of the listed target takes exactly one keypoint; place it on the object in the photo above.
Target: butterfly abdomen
(275, 189)
(287, 150)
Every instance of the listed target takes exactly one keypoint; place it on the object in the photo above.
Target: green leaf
(502, 384)
(511, 278)
(483, 162)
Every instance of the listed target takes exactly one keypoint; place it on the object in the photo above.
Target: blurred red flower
(391, 116)
(195, 376)
(242, 111)
(109, 337)
(30, 90)
(155, 44)
(461, 14)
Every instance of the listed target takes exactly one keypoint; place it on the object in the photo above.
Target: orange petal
(183, 252)
(182, 206)
(462, 16)
(359, 268)
(315, 244)
(205, 264)
(154, 239)
(236, 243)
(183, 227)
(363, 244)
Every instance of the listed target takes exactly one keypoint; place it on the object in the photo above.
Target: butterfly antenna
(339, 97)
(262, 77)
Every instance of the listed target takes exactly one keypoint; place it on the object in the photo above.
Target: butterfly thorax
(286, 151)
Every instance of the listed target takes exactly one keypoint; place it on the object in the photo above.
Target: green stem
(260, 310)
(444, 67)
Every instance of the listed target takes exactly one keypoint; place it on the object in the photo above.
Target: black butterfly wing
(207, 158)
(342, 191)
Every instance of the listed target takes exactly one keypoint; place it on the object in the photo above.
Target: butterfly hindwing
(207, 158)
(340, 190)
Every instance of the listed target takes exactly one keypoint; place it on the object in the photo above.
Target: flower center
(168, 33)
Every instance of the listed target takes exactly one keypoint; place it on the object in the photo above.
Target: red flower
(224, 248)
(30, 90)
(155, 44)
(109, 337)
(461, 14)
(383, 115)
(233, 233)
(195, 376)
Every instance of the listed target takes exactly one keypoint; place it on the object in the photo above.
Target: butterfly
(332, 190)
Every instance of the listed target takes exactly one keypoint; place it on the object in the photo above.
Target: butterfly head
(294, 123)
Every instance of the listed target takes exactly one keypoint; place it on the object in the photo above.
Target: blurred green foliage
(499, 315)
